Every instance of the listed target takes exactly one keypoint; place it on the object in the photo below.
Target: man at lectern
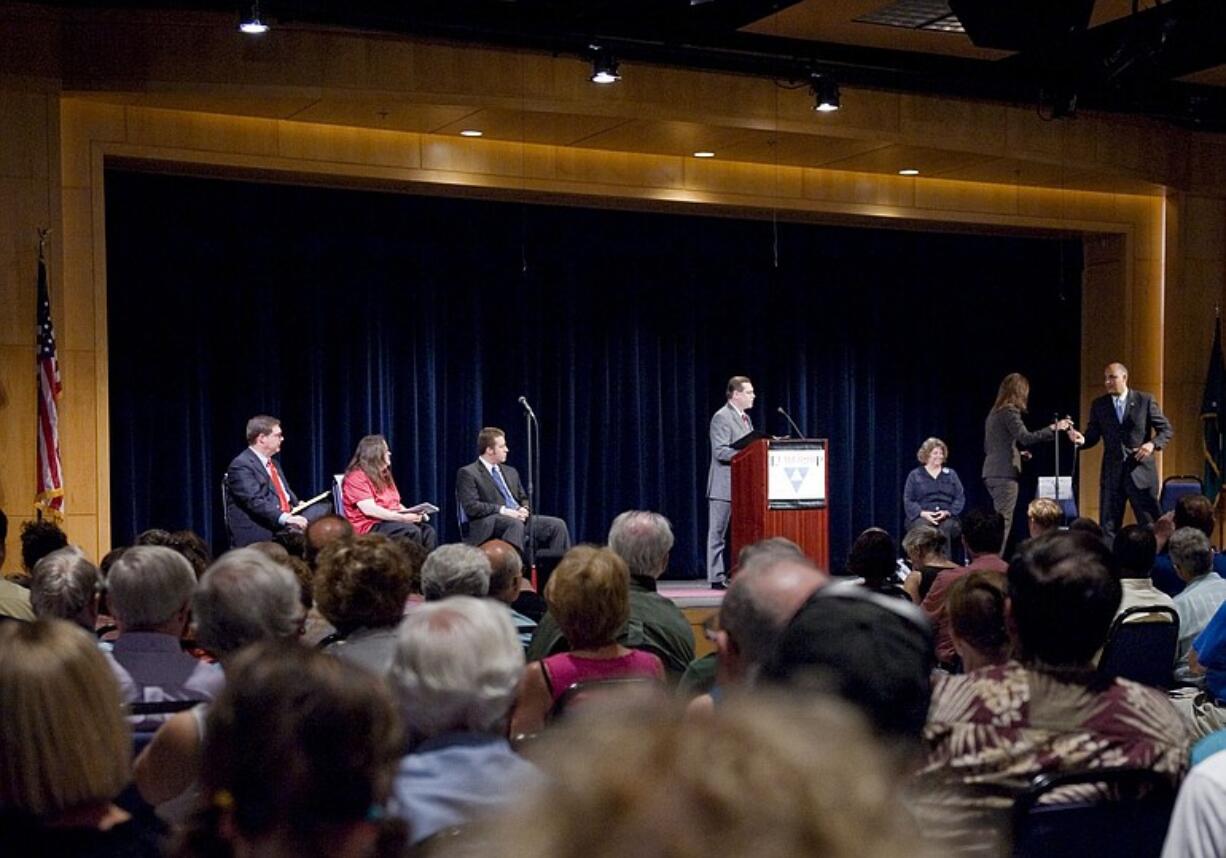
(727, 425)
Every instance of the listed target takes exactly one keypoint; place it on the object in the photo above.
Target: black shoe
(719, 585)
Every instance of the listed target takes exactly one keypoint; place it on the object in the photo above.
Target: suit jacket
(478, 495)
(1003, 432)
(1143, 421)
(252, 507)
(726, 428)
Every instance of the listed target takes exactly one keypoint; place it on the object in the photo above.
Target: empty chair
(1141, 646)
(1173, 488)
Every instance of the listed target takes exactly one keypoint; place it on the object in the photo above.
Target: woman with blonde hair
(65, 749)
(933, 495)
(371, 500)
(1004, 434)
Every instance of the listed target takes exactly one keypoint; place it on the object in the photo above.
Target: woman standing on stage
(1004, 434)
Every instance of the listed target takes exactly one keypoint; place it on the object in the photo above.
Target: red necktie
(744, 419)
(277, 487)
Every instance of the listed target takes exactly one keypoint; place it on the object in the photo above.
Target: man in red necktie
(259, 501)
(727, 425)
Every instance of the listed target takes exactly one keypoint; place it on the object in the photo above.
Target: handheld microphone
(791, 422)
(523, 400)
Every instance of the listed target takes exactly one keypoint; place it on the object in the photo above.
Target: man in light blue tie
(495, 504)
(1132, 427)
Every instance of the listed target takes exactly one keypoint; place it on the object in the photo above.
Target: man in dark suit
(1132, 427)
(495, 503)
(259, 501)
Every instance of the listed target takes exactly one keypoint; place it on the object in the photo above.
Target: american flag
(50, 500)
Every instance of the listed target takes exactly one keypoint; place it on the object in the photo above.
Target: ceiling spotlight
(909, 171)
(471, 132)
(252, 25)
(825, 91)
(704, 154)
(604, 66)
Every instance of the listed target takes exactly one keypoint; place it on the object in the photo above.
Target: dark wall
(424, 318)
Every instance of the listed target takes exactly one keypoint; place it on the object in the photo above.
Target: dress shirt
(161, 670)
(264, 460)
(1196, 606)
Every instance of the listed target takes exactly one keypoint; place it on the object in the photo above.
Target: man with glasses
(259, 501)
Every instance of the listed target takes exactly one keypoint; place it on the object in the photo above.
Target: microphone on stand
(791, 422)
(523, 400)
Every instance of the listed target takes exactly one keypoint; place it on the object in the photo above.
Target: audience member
(763, 779)
(38, 539)
(766, 551)
(643, 541)
(243, 598)
(976, 610)
(1190, 511)
(1090, 526)
(871, 651)
(455, 570)
(150, 590)
(362, 585)
(65, 748)
(1205, 711)
(1043, 515)
(982, 532)
(1203, 593)
(456, 669)
(991, 732)
(65, 585)
(589, 598)
(506, 578)
(323, 531)
(873, 558)
(924, 546)
(758, 606)
(14, 599)
(1198, 825)
(1134, 549)
(192, 546)
(298, 758)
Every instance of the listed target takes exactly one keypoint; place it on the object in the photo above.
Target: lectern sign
(796, 476)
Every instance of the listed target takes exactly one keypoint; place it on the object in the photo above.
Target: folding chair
(1141, 646)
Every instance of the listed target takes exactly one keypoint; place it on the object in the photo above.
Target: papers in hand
(423, 509)
(309, 501)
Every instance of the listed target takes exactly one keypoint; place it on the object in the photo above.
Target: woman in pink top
(589, 595)
(371, 500)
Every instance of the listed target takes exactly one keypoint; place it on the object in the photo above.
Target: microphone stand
(532, 430)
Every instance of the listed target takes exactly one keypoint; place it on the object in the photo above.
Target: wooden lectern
(779, 488)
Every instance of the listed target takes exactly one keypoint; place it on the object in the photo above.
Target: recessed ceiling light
(704, 154)
(605, 68)
(471, 132)
(252, 25)
(910, 171)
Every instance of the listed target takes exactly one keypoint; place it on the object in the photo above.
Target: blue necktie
(512, 503)
(1119, 409)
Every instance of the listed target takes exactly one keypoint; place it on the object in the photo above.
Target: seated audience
(1198, 825)
(14, 599)
(362, 585)
(371, 500)
(1134, 549)
(982, 532)
(243, 598)
(758, 606)
(298, 759)
(65, 748)
(1090, 526)
(589, 598)
(1043, 515)
(65, 585)
(764, 779)
(150, 590)
(38, 539)
(873, 559)
(1203, 593)
(643, 540)
(767, 550)
(455, 570)
(925, 549)
(990, 732)
(976, 610)
(933, 494)
(193, 547)
(1190, 511)
(322, 532)
(456, 669)
(506, 579)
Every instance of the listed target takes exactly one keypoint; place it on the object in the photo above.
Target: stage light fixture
(471, 132)
(825, 91)
(604, 66)
(253, 26)
(704, 154)
(909, 171)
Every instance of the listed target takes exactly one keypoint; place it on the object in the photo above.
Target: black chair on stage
(1141, 646)
(338, 495)
(225, 508)
(1173, 488)
(1124, 811)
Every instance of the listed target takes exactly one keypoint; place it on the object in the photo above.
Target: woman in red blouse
(371, 500)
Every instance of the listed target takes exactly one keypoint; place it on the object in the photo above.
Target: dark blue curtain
(424, 318)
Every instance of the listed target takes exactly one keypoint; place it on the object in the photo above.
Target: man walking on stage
(1132, 427)
(259, 501)
(728, 425)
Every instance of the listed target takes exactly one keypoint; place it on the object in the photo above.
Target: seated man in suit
(494, 500)
(259, 500)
